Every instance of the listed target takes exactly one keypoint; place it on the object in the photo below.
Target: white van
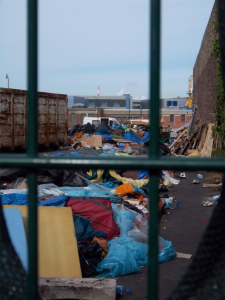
(97, 121)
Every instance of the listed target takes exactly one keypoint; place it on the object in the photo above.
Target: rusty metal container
(52, 119)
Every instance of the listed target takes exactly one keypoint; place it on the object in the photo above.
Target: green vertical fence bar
(32, 138)
(153, 149)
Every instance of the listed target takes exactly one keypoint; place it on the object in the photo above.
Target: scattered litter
(216, 198)
(212, 185)
(171, 203)
(200, 176)
(183, 255)
(174, 181)
(207, 203)
(195, 181)
(182, 175)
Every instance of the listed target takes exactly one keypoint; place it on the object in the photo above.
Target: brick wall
(205, 76)
(177, 121)
(75, 116)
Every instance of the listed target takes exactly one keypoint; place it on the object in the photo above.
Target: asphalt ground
(184, 227)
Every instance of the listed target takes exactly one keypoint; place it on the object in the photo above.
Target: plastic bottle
(216, 198)
(200, 176)
(121, 290)
(171, 203)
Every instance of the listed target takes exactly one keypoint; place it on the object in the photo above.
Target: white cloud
(121, 92)
(140, 98)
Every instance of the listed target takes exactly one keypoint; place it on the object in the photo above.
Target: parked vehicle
(52, 119)
(98, 120)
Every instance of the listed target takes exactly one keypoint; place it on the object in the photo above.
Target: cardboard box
(91, 141)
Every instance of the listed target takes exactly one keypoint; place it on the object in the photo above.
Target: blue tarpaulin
(84, 229)
(22, 199)
(107, 136)
(90, 191)
(134, 137)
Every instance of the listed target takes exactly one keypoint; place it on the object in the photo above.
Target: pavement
(184, 227)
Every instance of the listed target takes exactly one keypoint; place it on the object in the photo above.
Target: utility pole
(7, 77)
(129, 108)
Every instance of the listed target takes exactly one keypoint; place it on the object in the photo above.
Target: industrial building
(125, 101)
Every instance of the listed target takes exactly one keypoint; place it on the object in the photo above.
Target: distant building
(116, 102)
(172, 110)
(170, 103)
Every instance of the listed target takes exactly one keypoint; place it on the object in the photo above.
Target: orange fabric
(124, 189)
(77, 135)
(127, 188)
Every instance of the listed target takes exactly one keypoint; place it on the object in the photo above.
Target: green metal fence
(32, 162)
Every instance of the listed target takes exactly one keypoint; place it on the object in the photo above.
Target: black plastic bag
(70, 178)
(12, 174)
(90, 255)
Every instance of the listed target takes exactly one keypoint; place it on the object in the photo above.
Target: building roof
(104, 97)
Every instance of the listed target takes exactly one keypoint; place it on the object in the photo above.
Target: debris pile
(198, 144)
(116, 140)
(106, 217)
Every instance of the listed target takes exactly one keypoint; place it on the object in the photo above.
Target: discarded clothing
(128, 188)
(136, 183)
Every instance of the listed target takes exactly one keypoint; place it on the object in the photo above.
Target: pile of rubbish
(110, 211)
(102, 137)
(198, 144)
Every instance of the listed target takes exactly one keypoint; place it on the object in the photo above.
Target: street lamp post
(7, 77)
(129, 108)
(97, 105)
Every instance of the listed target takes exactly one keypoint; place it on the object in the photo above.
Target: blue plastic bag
(124, 219)
(166, 250)
(125, 256)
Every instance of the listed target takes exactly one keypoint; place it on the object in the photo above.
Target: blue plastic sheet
(84, 230)
(145, 137)
(124, 219)
(166, 250)
(89, 191)
(107, 136)
(68, 154)
(121, 145)
(142, 174)
(22, 199)
(14, 199)
(125, 256)
(134, 137)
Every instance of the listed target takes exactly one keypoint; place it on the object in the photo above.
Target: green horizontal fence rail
(32, 162)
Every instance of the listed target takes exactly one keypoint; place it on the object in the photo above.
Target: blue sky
(84, 44)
